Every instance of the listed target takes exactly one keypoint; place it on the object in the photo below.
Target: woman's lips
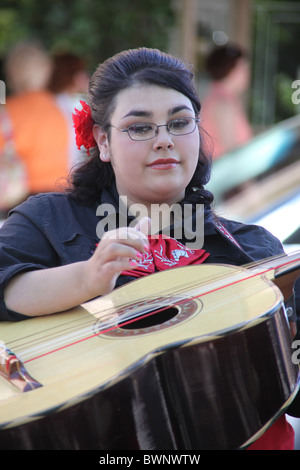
(164, 164)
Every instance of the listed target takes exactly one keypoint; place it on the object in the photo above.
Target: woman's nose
(163, 138)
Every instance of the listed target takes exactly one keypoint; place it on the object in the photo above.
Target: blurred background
(255, 180)
(267, 31)
(96, 29)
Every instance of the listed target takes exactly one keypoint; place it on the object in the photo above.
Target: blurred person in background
(39, 128)
(68, 82)
(224, 116)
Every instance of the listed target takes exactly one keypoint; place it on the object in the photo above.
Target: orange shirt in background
(41, 138)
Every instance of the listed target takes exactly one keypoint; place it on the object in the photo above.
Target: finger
(128, 236)
(127, 249)
(144, 226)
(115, 267)
(123, 234)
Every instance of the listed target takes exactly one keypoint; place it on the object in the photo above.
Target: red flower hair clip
(83, 125)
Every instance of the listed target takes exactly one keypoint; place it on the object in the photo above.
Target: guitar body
(210, 371)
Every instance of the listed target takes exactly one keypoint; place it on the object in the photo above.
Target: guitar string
(105, 312)
(113, 325)
(73, 327)
(107, 329)
(105, 326)
(264, 261)
(131, 317)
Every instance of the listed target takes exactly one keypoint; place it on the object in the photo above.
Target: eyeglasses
(148, 130)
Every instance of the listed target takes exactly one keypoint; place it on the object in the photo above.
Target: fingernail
(138, 254)
(133, 263)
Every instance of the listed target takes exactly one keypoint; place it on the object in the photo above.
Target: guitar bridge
(13, 370)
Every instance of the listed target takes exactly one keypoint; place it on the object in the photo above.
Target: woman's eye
(140, 128)
(179, 124)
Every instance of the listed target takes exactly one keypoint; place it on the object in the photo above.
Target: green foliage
(95, 29)
(10, 28)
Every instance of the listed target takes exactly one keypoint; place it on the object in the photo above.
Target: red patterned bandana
(166, 253)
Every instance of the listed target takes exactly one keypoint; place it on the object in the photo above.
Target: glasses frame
(196, 120)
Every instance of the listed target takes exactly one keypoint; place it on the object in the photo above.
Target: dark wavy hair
(125, 69)
(221, 60)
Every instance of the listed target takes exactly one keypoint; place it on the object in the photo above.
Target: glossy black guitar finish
(212, 395)
(211, 370)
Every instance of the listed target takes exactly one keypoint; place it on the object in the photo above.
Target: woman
(35, 118)
(142, 134)
(224, 116)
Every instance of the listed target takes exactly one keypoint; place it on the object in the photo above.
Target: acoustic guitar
(196, 357)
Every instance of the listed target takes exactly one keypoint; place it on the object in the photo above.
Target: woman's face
(156, 170)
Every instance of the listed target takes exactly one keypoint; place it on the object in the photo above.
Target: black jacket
(54, 229)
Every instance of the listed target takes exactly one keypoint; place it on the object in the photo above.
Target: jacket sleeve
(256, 241)
(23, 247)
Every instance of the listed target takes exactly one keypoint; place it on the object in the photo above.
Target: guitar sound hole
(155, 319)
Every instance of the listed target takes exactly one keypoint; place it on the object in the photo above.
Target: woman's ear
(102, 141)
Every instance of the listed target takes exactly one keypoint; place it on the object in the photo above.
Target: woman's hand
(119, 250)
(47, 291)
